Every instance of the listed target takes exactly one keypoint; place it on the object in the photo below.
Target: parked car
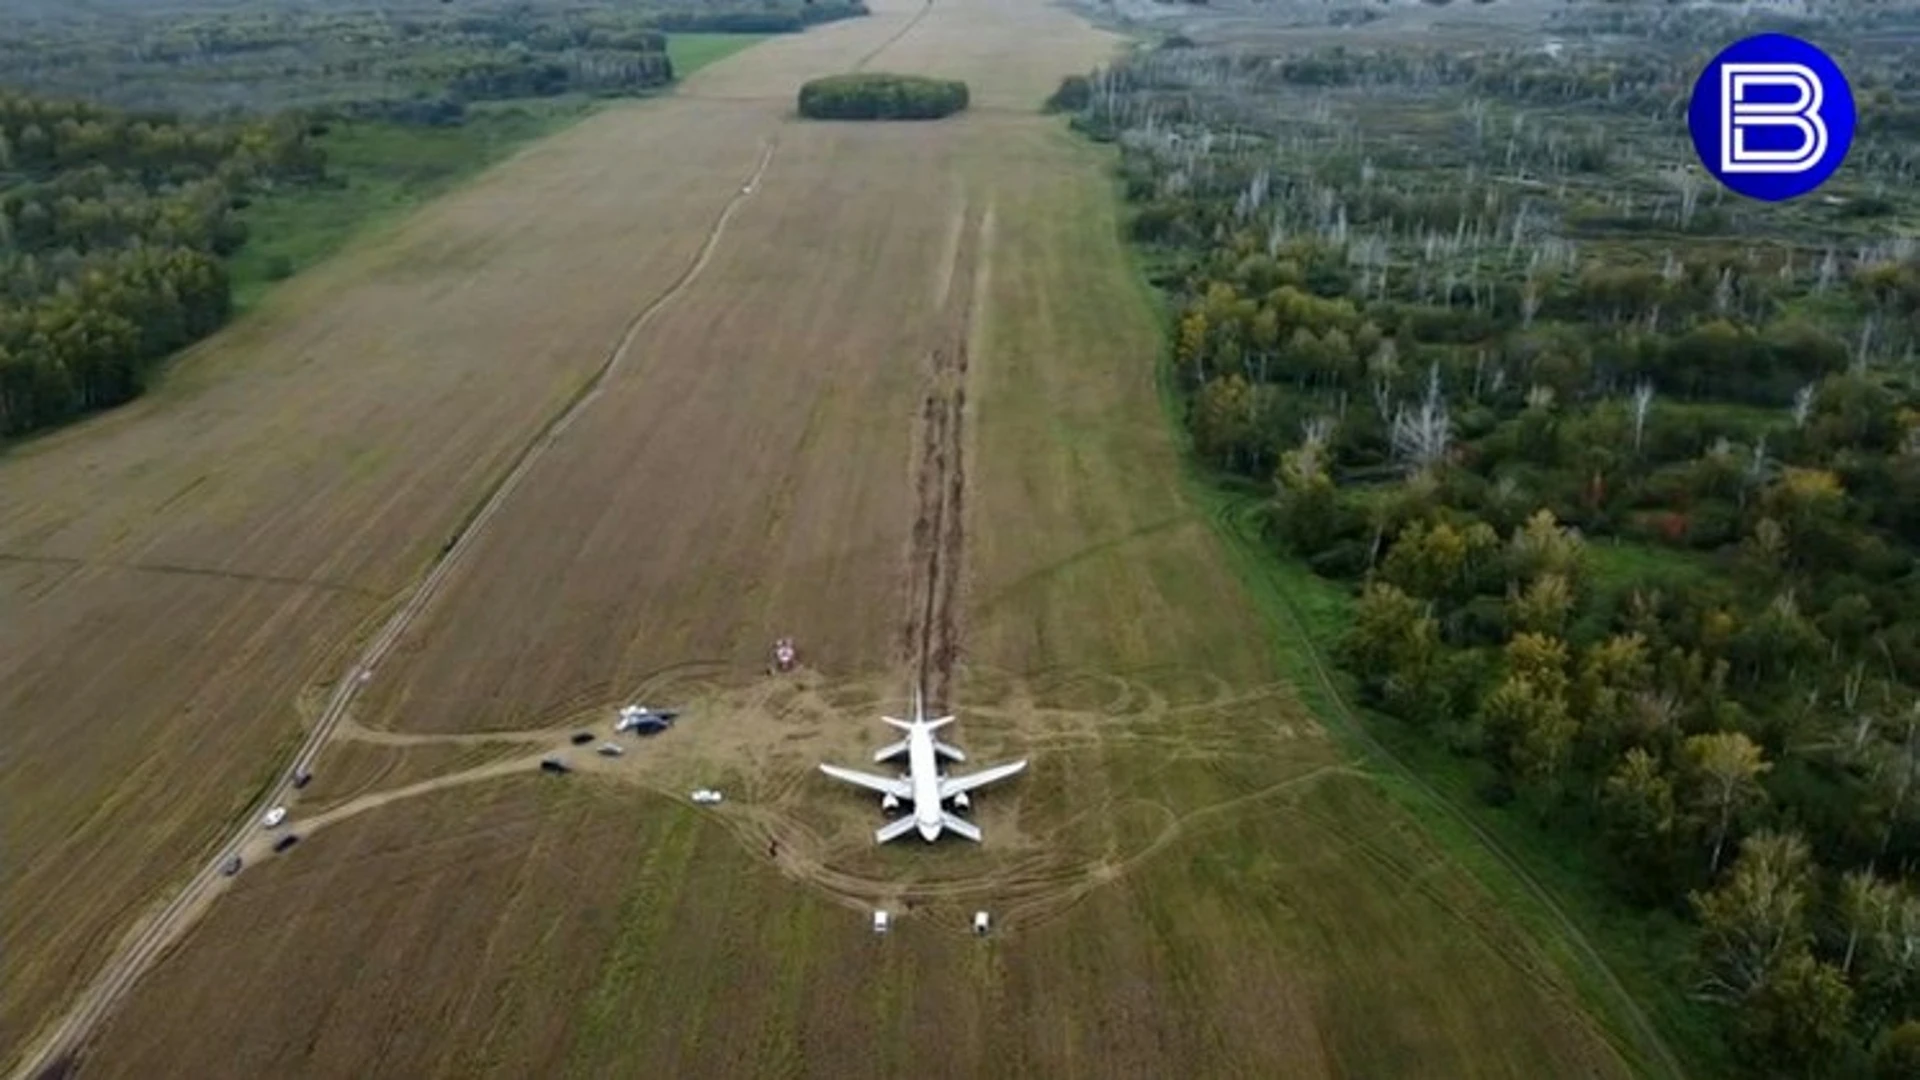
(274, 817)
(554, 765)
(286, 842)
(582, 738)
(232, 866)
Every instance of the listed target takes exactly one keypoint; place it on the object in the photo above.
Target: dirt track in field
(932, 634)
(885, 388)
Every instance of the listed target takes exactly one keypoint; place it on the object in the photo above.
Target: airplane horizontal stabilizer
(960, 825)
(890, 751)
(951, 753)
(894, 830)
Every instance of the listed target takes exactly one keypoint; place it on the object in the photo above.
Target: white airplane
(923, 784)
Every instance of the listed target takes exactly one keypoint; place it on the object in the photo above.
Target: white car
(705, 795)
(274, 817)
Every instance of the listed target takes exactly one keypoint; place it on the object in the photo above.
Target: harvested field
(188, 564)
(886, 388)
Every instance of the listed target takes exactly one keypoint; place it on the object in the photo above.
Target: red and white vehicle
(784, 656)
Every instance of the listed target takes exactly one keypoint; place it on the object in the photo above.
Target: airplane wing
(954, 785)
(885, 786)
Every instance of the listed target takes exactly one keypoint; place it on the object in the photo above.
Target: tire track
(894, 39)
(241, 576)
(58, 1053)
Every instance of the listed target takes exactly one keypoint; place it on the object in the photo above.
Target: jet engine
(960, 801)
(889, 803)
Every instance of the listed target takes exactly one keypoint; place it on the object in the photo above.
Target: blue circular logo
(1772, 117)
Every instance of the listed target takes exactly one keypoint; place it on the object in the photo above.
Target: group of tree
(705, 19)
(881, 96)
(1633, 521)
(113, 227)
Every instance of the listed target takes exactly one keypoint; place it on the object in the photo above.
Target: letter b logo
(1772, 117)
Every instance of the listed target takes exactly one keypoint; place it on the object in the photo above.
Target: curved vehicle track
(155, 934)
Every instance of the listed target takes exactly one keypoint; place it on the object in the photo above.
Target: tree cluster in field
(881, 96)
(112, 231)
(1630, 498)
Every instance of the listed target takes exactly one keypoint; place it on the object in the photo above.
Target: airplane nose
(929, 831)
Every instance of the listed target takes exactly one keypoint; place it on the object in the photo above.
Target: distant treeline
(113, 227)
(789, 21)
(413, 60)
(880, 96)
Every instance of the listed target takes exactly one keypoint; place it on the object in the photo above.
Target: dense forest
(880, 96)
(113, 227)
(1622, 471)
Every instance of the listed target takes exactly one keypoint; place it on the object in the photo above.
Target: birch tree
(1727, 767)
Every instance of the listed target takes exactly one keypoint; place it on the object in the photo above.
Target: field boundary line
(58, 1053)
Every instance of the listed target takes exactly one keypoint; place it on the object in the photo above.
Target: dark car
(650, 725)
(286, 842)
(554, 765)
(232, 866)
(301, 778)
(581, 738)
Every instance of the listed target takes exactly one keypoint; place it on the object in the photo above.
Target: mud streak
(931, 634)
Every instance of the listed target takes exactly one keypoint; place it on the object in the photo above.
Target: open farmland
(887, 388)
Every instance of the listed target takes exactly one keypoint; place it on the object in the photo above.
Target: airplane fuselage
(924, 768)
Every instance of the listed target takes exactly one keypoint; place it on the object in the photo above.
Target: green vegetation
(419, 61)
(377, 170)
(1609, 483)
(691, 52)
(772, 19)
(880, 96)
